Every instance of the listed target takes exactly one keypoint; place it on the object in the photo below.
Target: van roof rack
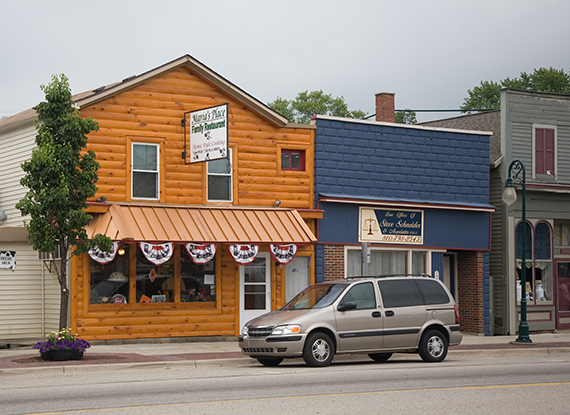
(391, 275)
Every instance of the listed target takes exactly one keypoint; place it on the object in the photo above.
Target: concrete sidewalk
(25, 359)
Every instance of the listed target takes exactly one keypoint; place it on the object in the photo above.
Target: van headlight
(289, 329)
(244, 331)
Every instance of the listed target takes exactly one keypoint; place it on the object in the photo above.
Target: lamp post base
(523, 334)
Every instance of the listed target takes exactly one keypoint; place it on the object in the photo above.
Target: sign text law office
(207, 194)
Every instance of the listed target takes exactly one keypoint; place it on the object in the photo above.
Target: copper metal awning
(203, 224)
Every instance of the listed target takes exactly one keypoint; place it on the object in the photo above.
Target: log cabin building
(199, 247)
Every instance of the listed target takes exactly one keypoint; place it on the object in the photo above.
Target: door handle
(389, 313)
(376, 314)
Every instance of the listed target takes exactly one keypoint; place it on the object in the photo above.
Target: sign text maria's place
(391, 226)
(209, 134)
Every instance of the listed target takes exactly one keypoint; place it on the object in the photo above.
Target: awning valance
(204, 224)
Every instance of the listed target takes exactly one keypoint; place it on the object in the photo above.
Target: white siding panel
(29, 296)
(17, 146)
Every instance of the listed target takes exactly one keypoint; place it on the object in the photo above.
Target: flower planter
(61, 355)
(62, 345)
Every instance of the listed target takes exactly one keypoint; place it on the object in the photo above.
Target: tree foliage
(60, 176)
(488, 95)
(307, 104)
(406, 116)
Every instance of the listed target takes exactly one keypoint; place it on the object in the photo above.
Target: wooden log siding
(133, 320)
(155, 110)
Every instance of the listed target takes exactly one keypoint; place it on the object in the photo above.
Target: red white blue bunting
(243, 254)
(158, 254)
(201, 254)
(283, 253)
(104, 257)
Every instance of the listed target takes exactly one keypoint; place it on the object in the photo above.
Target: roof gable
(87, 98)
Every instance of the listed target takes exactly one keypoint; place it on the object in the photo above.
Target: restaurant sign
(395, 226)
(209, 134)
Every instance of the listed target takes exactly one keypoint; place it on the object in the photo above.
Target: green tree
(306, 104)
(406, 116)
(488, 95)
(60, 176)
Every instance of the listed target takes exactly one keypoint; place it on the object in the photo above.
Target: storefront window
(538, 259)
(110, 281)
(543, 262)
(197, 281)
(155, 283)
(418, 262)
(381, 262)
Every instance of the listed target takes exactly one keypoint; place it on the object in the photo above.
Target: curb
(244, 361)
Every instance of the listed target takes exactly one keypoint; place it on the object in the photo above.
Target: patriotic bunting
(158, 254)
(201, 254)
(104, 257)
(283, 253)
(244, 254)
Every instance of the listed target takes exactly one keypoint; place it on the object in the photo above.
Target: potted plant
(62, 345)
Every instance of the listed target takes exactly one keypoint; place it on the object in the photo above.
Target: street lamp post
(517, 174)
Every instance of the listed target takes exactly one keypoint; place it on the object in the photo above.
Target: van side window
(400, 293)
(362, 294)
(432, 292)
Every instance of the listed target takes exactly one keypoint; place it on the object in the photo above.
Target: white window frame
(549, 127)
(157, 171)
(230, 175)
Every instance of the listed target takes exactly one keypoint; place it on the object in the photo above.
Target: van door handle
(376, 314)
(389, 313)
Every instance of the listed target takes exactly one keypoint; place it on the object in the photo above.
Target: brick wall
(334, 262)
(470, 281)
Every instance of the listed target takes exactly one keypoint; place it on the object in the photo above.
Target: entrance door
(563, 295)
(255, 288)
(297, 276)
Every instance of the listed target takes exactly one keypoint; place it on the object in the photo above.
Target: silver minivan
(377, 316)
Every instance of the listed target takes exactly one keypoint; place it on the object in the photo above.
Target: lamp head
(509, 194)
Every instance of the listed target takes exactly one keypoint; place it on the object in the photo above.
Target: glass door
(563, 294)
(255, 288)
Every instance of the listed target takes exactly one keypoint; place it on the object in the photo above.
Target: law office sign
(209, 134)
(395, 226)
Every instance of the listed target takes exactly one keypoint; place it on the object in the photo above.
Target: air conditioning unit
(50, 256)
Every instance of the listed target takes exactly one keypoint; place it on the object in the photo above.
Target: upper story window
(293, 160)
(145, 173)
(544, 145)
(220, 179)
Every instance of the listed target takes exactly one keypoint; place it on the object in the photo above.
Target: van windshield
(315, 296)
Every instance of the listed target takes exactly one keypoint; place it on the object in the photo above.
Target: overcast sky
(427, 52)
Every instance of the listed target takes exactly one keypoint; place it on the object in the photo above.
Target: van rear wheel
(319, 350)
(433, 346)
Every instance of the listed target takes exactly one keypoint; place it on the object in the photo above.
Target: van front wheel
(433, 346)
(319, 350)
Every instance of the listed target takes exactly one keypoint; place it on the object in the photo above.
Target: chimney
(385, 108)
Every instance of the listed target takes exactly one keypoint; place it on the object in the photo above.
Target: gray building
(534, 128)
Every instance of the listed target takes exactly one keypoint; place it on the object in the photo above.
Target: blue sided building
(418, 197)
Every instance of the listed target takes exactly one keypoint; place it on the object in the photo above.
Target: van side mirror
(349, 305)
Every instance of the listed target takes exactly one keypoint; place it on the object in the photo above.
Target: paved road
(463, 384)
